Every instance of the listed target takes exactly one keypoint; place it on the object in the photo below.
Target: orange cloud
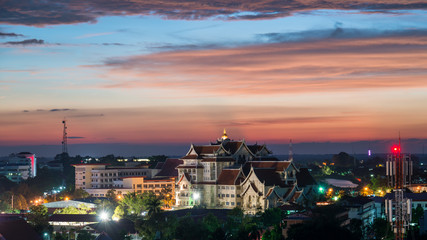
(319, 66)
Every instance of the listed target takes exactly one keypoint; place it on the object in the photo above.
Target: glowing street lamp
(196, 196)
(321, 189)
(103, 216)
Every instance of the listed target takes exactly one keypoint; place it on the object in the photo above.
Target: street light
(103, 216)
(196, 195)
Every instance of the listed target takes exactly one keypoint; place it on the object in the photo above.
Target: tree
(417, 213)
(119, 212)
(274, 234)
(111, 194)
(155, 159)
(167, 196)
(38, 218)
(327, 170)
(132, 204)
(82, 209)
(151, 202)
(382, 229)
(342, 159)
(211, 223)
(187, 228)
(84, 235)
(324, 225)
(80, 193)
(272, 216)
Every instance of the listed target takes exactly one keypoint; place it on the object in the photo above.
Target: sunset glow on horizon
(167, 73)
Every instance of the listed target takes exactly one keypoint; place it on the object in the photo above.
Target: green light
(335, 198)
(321, 189)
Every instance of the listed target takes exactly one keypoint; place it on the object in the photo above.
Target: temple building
(228, 174)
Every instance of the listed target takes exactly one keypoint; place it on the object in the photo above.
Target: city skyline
(172, 74)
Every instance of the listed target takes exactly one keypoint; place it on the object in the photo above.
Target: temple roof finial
(224, 135)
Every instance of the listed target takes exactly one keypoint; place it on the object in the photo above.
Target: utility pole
(64, 138)
(12, 201)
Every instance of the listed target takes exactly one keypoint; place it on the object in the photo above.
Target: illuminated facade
(228, 174)
(97, 179)
(19, 166)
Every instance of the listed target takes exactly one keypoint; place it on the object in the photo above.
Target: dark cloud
(339, 32)
(25, 111)
(59, 110)
(75, 137)
(27, 42)
(50, 12)
(3, 34)
(86, 115)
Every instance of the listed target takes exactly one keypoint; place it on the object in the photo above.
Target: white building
(231, 173)
(98, 178)
(19, 166)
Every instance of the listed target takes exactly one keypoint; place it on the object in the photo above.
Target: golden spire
(224, 135)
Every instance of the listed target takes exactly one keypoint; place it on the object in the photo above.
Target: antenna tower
(64, 138)
(399, 171)
(291, 153)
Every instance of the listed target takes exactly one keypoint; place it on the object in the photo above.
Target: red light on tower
(395, 149)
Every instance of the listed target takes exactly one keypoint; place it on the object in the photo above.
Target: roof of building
(114, 229)
(296, 195)
(419, 197)
(103, 236)
(64, 204)
(232, 146)
(298, 216)
(89, 164)
(206, 149)
(18, 229)
(304, 178)
(219, 159)
(269, 176)
(229, 177)
(169, 168)
(287, 206)
(189, 166)
(73, 218)
(159, 165)
(355, 201)
(277, 165)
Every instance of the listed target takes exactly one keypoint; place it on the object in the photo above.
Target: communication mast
(64, 138)
(291, 153)
(399, 171)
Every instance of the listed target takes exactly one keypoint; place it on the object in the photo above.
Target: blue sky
(122, 75)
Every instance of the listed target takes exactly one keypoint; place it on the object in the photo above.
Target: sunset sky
(174, 72)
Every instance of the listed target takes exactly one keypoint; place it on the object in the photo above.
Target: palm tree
(152, 203)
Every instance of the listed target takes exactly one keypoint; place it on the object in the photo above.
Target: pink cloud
(320, 66)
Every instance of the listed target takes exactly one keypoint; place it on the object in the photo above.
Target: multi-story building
(228, 173)
(97, 178)
(19, 166)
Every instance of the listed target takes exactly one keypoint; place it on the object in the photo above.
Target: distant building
(98, 179)
(361, 208)
(19, 166)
